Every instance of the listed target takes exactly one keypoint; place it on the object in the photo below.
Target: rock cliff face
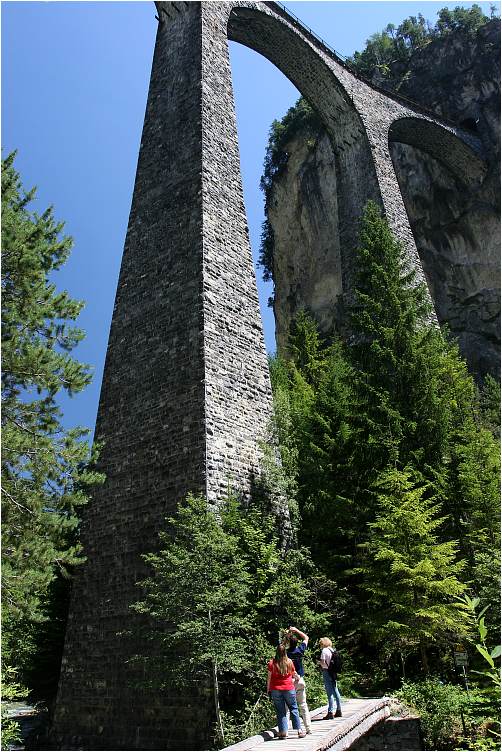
(456, 229)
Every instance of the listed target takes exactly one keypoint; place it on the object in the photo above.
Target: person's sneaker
(328, 717)
(301, 734)
(338, 713)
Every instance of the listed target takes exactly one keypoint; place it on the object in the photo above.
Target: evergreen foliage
(388, 438)
(46, 470)
(490, 405)
(11, 691)
(412, 577)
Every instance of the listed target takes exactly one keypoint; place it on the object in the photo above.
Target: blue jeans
(332, 692)
(282, 698)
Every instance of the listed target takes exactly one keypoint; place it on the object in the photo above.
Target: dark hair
(293, 642)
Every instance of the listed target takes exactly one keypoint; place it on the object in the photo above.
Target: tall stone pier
(186, 394)
(186, 390)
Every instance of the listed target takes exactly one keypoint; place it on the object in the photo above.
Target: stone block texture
(186, 393)
(395, 733)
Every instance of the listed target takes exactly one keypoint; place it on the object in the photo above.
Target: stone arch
(266, 32)
(456, 228)
(442, 144)
(269, 35)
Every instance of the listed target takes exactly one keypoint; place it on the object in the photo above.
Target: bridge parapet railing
(359, 715)
(342, 60)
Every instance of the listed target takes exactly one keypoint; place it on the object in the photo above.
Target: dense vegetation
(45, 469)
(398, 44)
(393, 469)
(221, 588)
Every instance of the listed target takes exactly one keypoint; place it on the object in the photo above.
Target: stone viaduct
(186, 392)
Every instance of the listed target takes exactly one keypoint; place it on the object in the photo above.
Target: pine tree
(396, 397)
(474, 493)
(396, 352)
(312, 403)
(45, 469)
(411, 575)
(490, 405)
(327, 440)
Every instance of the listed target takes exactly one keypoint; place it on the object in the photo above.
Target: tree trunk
(402, 664)
(423, 656)
(216, 693)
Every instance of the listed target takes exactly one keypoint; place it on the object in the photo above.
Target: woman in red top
(281, 689)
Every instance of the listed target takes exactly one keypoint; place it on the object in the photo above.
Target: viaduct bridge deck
(359, 716)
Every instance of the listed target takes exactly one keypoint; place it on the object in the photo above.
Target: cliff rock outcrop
(456, 227)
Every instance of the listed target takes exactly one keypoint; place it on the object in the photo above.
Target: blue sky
(74, 86)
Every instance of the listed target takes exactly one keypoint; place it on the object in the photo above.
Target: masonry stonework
(186, 394)
(395, 733)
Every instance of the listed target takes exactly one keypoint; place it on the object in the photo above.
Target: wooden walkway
(359, 715)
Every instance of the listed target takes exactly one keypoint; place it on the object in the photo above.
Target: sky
(74, 86)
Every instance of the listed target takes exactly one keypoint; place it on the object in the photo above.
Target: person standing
(296, 652)
(280, 687)
(330, 681)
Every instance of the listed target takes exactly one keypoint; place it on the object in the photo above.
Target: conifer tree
(474, 505)
(398, 398)
(490, 405)
(45, 469)
(411, 575)
(312, 395)
(396, 353)
(306, 349)
(327, 440)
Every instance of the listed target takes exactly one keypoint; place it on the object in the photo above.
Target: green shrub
(440, 706)
(254, 718)
(11, 691)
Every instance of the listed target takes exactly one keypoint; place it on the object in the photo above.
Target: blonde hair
(325, 642)
(281, 660)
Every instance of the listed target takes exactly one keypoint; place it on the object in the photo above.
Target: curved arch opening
(442, 144)
(262, 94)
(456, 225)
(347, 148)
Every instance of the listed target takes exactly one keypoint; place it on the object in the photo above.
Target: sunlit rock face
(304, 216)
(456, 227)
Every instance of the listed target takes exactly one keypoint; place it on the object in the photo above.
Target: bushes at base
(440, 706)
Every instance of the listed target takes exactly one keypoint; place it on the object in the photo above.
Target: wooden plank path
(359, 715)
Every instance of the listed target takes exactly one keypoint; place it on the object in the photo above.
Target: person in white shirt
(330, 682)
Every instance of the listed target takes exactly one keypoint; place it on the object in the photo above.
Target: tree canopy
(46, 469)
(398, 44)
